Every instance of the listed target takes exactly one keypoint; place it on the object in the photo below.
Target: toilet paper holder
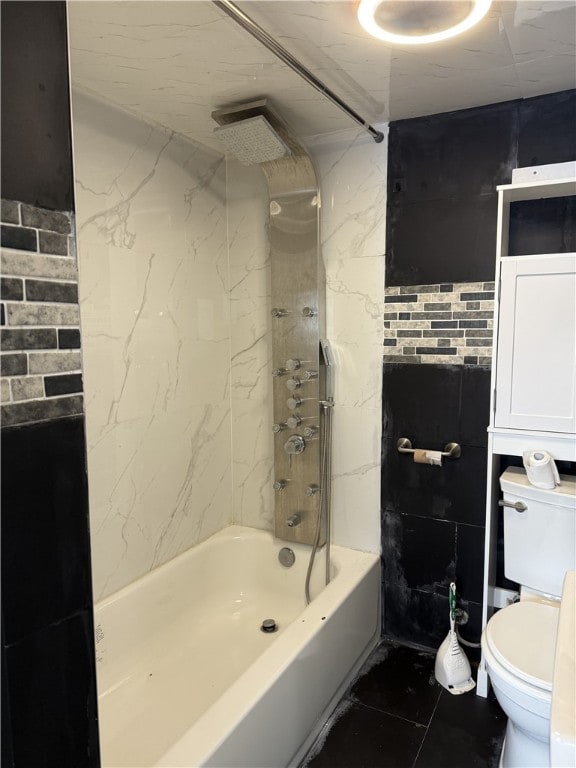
(451, 450)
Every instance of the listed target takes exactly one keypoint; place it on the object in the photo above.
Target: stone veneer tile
(448, 323)
(13, 365)
(19, 237)
(33, 265)
(11, 289)
(53, 242)
(54, 362)
(43, 314)
(41, 290)
(9, 212)
(28, 338)
(55, 221)
(5, 395)
(41, 410)
(27, 388)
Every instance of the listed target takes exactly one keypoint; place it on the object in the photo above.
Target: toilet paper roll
(422, 456)
(541, 469)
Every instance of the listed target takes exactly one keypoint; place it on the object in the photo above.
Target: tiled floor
(396, 715)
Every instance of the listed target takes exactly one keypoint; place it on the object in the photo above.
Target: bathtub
(187, 678)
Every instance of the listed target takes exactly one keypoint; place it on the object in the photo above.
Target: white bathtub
(186, 677)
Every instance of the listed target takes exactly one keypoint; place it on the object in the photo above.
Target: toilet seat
(506, 636)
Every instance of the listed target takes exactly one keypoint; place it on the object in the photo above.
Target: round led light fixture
(417, 22)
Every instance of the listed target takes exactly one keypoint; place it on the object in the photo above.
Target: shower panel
(297, 314)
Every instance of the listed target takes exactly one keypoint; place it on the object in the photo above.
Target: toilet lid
(507, 633)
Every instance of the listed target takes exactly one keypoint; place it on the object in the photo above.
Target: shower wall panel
(156, 340)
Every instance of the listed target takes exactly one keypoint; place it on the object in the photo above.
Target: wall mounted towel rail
(451, 450)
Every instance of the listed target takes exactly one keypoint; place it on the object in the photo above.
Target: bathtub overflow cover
(286, 557)
(269, 625)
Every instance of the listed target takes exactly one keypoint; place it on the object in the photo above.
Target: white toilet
(520, 642)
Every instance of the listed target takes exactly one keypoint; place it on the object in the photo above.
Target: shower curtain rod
(278, 50)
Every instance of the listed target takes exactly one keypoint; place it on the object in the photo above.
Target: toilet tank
(540, 542)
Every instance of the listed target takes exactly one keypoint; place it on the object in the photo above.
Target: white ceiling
(175, 62)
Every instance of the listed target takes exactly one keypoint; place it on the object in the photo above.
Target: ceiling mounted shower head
(253, 140)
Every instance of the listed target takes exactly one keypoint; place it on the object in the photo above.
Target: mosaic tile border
(40, 361)
(445, 323)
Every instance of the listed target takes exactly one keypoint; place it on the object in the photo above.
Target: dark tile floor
(395, 715)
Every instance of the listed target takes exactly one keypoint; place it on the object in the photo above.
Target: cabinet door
(536, 358)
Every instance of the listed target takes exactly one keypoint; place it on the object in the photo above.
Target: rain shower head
(253, 140)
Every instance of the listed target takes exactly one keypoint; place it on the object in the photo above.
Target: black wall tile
(419, 551)
(456, 491)
(19, 238)
(53, 699)
(418, 618)
(45, 542)
(63, 385)
(69, 338)
(543, 226)
(470, 562)
(36, 145)
(548, 129)
(452, 240)
(2, 315)
(454, 154)
(475, 405)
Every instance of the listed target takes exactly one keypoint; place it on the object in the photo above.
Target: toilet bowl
(519, 646)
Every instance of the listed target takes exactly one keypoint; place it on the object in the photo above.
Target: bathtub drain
(268, 625)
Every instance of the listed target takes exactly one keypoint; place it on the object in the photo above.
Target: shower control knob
(310, 431)
(293, 403)
(294, 421)
(293, 364)
(295, 445)
(278, 372)
(278, 427)
(279, 485)
(309, 375)
(277, 312)
(311, 490)
(309, 312)
(293, 384)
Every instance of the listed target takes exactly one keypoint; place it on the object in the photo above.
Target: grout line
(390, 714)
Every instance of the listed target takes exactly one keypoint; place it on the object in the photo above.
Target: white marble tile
(155, 314)
(356, 477)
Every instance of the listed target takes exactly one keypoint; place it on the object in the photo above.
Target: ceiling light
(416, 22)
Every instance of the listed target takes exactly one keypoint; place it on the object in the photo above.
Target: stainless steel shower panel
(298, 286)
(297, 283)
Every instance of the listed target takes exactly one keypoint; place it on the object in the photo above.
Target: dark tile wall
(36, 143)
(442, 177)
(441, 228)
(433, 517)
(49, 712)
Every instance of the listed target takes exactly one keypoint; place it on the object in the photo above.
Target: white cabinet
(535, 377)
(533, 403)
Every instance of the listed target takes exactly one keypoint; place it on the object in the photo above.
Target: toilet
(521, 642)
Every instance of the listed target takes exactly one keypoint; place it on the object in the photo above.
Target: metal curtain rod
(278, 50)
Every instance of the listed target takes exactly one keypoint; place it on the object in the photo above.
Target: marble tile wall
(352, 171)
(352, 175)
(156, 340)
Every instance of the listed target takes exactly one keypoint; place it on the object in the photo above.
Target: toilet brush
(452, 668)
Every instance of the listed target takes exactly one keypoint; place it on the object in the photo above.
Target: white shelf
(513, 442)
(537, 190)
